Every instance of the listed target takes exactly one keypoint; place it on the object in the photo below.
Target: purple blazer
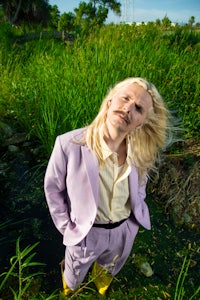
(71, 189)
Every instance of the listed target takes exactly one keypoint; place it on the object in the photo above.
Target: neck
(114, 139)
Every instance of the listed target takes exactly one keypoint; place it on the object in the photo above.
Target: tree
(19, 11)
(66, 22)
(166, 23)
(55, 17)
(158, 22)
(191, 21)
(114, 5)
(96, 11)
(11, 9)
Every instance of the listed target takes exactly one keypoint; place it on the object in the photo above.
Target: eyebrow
(127, 95)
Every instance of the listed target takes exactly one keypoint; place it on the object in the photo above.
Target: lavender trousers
(109, 247)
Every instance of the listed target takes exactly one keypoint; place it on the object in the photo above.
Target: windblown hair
(146, 141)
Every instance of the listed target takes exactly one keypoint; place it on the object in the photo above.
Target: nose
(128, 107)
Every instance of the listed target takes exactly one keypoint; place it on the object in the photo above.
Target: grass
(51, 87)
(174, 262)
(48, 88)
(164, 248)
(20, 262)
(180, 290)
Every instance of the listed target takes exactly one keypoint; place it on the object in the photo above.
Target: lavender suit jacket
(71, 188)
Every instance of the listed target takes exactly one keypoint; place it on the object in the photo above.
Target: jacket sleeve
(55, 187)
(142, 189)
(143, 212)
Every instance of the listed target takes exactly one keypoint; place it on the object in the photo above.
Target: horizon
(178, 11)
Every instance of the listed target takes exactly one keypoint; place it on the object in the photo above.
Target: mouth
(123, 116)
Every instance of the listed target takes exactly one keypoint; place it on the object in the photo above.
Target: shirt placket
(115, 177)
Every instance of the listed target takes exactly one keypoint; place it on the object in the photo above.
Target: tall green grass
(20, 278)
(21, 272)
(180, 284)
(51, 87)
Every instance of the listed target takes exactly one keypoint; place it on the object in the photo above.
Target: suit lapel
(91, 164)
(133, 185)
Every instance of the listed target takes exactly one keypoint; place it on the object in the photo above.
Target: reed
(20, 271)
(180, 284)
(51, 87)
(20, 262)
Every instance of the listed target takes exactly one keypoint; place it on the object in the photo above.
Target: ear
(109, 102)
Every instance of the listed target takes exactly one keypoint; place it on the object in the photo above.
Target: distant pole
(127, 11)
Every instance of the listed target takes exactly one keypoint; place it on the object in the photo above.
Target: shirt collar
(106, 152)
(128, 150)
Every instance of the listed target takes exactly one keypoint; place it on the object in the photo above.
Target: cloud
(177, 16)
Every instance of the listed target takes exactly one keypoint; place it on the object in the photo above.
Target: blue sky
(178, 11)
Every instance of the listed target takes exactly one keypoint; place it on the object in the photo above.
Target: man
(96, 179)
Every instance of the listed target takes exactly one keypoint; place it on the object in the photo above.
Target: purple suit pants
(109, 247)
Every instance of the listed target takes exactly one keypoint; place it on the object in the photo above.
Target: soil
(177, 189)
(173, 200)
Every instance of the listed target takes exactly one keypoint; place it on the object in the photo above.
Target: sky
(178, 11)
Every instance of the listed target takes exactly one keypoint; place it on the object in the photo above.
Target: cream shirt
(114, 204)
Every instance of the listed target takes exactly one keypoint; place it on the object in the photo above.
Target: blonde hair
(146, 141)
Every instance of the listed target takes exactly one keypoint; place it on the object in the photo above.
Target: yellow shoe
(66, 289)
(102, 278)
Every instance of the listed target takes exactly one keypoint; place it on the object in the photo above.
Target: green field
(52, 86)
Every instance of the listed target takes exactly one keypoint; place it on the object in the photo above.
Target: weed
(20, 269)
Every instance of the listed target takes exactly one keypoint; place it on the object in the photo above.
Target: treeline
(40, 15)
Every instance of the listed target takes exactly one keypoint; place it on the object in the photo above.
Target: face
(128, 108)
